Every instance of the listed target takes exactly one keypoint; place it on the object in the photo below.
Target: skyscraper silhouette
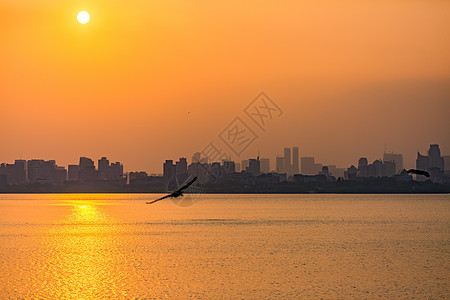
(295, 157)
(280, 164)
(394, 158)
(265, 165)
(168, 170)
(287, 160)
(434, 154)
(254, 167)
(103, 165)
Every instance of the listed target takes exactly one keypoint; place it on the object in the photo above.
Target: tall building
(280, 165)
(447, 164)
(45, 171)
(14, 173)
(336, 172)
(254, 167)
(245, 163)
(265, 165)
(3, 177)
(21, 172)
(215, 170)
(289, 164)
(181, 166)
(86, 163)
(287, 160)
(48, 170)
(169, 169)
(325, 171)
(351, 173)
(433, 162)
(196, 157)
(3, 174)
(309, 167)
(422, 162)
(107, 171)
(229, 167)
(434, 154)
(376, 169)
(34, 169)
(103, 165)
(295, 164)
(114, 171)
(73, 172)
(395, 158)
(390, 168)
(60, 175)
(200, 171)
(363, 164)
(87, 170)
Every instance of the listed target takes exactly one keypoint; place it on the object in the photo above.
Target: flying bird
(177, 193)
(418, 172)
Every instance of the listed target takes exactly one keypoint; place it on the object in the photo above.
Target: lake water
(87, 246)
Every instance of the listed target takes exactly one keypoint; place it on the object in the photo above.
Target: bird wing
(418, 172)
(178, 191)
(187, 185)
(159, 199)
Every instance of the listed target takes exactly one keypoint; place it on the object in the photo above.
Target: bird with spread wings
(177, 193)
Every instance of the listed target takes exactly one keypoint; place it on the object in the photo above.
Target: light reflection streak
(85, 263)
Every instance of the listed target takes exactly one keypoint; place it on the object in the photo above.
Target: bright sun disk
(83, 17)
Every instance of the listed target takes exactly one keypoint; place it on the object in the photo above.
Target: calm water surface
(225, 246)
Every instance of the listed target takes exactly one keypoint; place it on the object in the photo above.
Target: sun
(83, 17)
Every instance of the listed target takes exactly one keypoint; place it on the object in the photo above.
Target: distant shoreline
(206, 193)
(368, 186)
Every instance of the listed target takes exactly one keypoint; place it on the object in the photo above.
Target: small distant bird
(177, 193)
(418, 172)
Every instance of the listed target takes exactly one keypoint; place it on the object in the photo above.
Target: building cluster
(205, 171)
(175, 173)
(379, 168)
(32, 171)
(310, 167)
(392, 166)
(47, 172)
(284, 164)
(438, 166)
(287, 168)
(85, 171)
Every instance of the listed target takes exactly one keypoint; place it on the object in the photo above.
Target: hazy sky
(145, 80)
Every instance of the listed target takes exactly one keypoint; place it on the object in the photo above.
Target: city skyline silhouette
(210, 168)
(164, 82)
(224, 149)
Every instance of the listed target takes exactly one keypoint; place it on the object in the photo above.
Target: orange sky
(144, 81)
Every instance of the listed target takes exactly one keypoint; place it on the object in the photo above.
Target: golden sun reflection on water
(82, 213)
(84, 265)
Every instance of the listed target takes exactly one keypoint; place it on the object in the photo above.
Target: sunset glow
(323, 63)
(255, 149)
